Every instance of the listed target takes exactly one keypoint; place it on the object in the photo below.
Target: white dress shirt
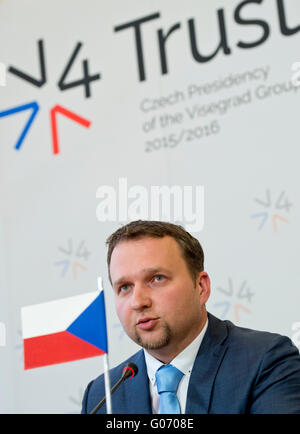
(184, 361)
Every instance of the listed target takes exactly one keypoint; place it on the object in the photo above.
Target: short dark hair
(190, 247)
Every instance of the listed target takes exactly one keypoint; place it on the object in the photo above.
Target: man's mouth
(147, 323)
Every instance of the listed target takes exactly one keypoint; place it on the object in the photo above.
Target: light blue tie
(167, 381)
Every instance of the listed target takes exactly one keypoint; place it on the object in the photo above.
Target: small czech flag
(63, 330)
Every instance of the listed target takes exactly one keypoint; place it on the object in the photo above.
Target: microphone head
(130, 371)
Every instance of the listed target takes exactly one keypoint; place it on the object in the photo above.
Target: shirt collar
(184, 361)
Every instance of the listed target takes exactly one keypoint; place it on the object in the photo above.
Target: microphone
(130, 371)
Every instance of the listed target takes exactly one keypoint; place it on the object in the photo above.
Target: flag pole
(107, 385)
(106, 368)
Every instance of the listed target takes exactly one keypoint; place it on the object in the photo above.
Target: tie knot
(168, 378)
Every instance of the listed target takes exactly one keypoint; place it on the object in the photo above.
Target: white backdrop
(159, 105)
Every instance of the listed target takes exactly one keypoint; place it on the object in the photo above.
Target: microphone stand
(104, 399)
(126, 374)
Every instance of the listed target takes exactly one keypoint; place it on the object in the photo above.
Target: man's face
(159, 305)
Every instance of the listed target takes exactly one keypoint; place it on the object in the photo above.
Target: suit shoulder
(256, 339)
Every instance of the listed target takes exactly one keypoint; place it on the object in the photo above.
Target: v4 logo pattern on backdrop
(237, 300)
(274, 207)
(73, 254)
(63, 84)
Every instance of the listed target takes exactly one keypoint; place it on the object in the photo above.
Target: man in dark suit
(160, 286)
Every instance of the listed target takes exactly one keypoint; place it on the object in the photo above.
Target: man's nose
(140, 297)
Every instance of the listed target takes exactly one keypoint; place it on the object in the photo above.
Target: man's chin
(151, 342)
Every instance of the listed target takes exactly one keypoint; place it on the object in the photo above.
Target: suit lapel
(208, 360)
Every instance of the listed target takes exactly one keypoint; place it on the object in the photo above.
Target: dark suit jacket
(237, 370)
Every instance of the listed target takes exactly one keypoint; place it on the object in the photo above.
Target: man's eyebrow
(155, 270)
(145, 271)
(121, 280)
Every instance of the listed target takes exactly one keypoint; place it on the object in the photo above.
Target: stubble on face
(154, 344)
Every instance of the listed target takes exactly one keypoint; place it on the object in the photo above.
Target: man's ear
(203, 282)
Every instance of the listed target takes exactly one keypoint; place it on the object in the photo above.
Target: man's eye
(159, 278)
(124, 288)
